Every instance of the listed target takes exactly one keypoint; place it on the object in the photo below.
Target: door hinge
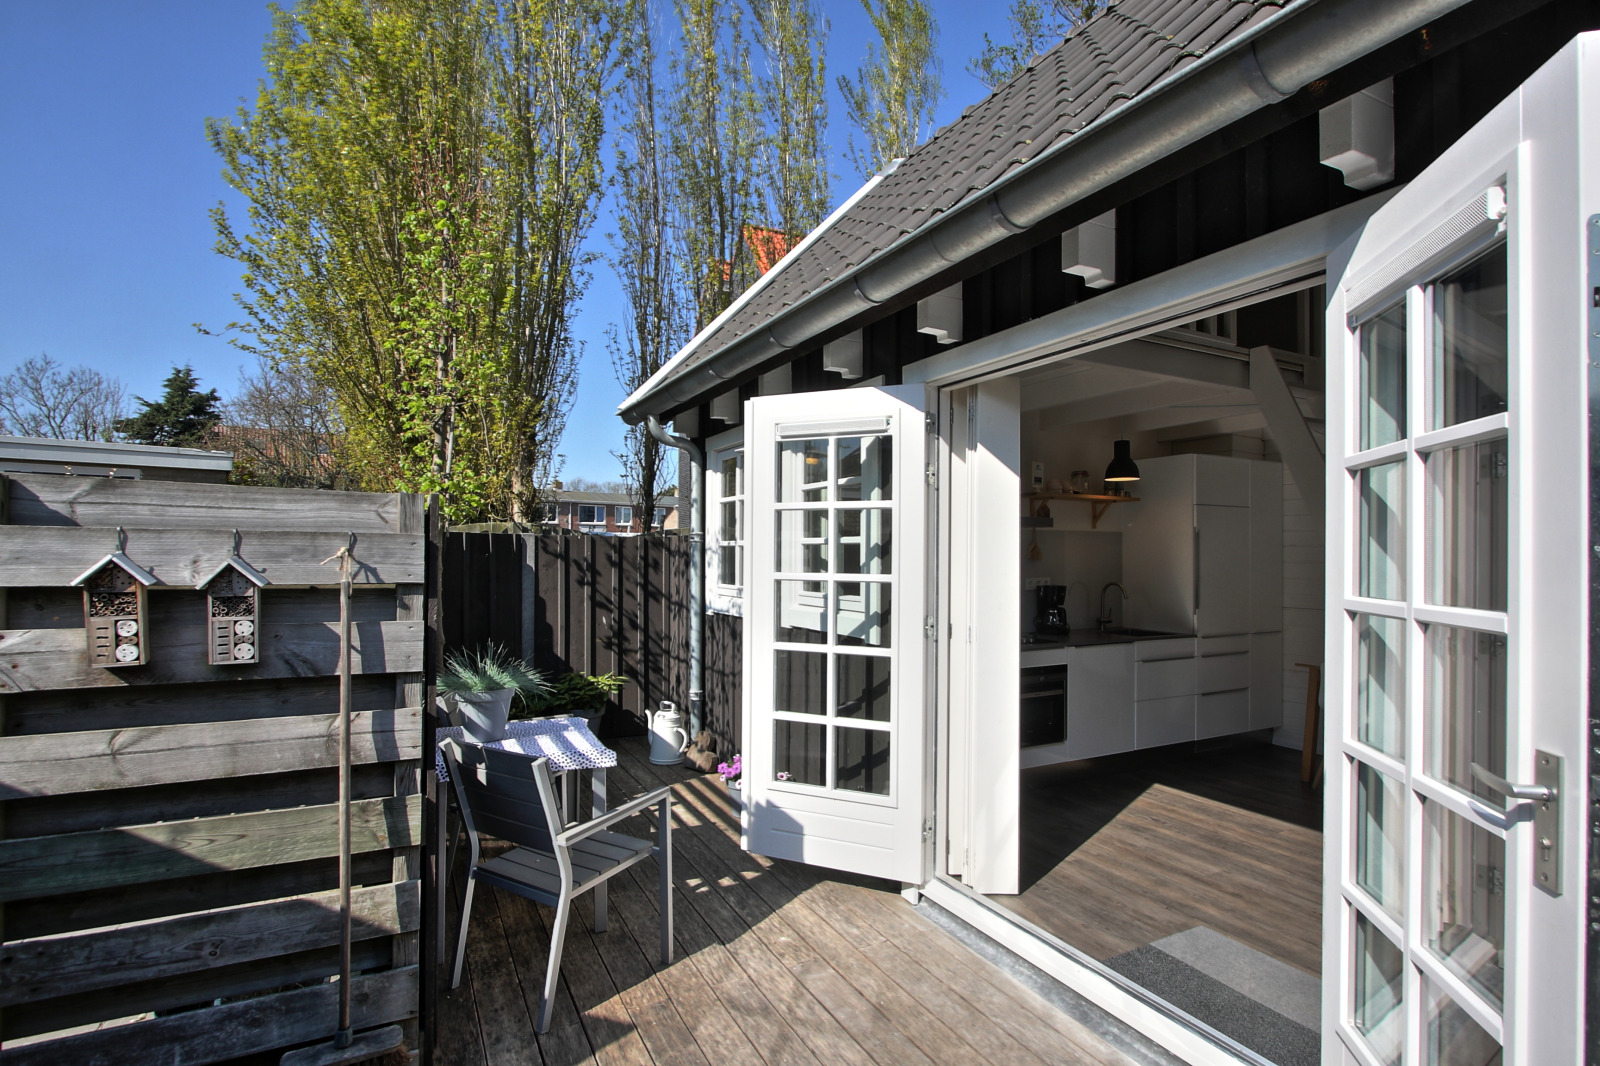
(927, 830)
(930, 629)
(932, 475)
(930, 421)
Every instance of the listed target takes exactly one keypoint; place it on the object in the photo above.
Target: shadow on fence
(575, 602)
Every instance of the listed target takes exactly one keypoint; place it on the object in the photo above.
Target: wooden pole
(343, 1037)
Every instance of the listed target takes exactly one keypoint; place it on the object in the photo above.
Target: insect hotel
(113, 610)
(233, 612)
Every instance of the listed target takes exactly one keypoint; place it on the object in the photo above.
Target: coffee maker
(1050, 614)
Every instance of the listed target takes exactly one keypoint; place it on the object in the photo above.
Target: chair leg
(461, 938)
(664, 864)
(558, 939)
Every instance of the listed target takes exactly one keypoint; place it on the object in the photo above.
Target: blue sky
(106, 180)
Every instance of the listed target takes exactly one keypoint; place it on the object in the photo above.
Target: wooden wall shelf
(1098, 502)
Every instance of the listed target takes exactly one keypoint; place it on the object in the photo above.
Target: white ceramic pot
(484, 714)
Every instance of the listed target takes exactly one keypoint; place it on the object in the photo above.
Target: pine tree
(892, 98)
(182, 418)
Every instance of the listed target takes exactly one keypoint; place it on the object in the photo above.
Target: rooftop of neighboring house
(611, 499)
(93, 458)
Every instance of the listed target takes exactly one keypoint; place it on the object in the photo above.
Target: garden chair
(513, 798)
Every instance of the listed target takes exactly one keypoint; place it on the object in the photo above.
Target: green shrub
(571, 694)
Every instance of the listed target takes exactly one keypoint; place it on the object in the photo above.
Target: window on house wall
(590, 514)
(660, 519)
(624, 516)
(725, 523)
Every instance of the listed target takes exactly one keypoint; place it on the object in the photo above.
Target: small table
(570, 746)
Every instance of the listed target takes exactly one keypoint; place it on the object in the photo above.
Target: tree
(182, 418)
(713, 134)
(1035, 29)
(643, 254)
(41, 399)
(793, 99)
(892, 98)
(284, 430)
(421, 175)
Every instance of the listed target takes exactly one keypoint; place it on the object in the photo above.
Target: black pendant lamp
(1122, 466)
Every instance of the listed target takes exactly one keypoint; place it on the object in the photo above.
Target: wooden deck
(777, 963)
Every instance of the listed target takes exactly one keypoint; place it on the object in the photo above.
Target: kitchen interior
(1171, 582)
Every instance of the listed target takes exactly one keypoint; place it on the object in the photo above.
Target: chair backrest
(505, 794)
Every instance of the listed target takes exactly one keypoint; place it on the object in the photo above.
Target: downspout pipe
(1261, 67)
(697, 568)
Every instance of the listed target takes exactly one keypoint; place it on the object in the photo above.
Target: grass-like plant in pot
(483, 684)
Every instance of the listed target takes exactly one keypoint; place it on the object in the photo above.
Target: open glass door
(834, 632)
(1453, 921)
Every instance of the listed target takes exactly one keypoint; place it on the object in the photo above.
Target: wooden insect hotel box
(114, 611)
(233, 613)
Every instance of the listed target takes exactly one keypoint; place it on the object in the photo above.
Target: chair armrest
(611, 817)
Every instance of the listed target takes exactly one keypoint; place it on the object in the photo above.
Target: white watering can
(668, 738)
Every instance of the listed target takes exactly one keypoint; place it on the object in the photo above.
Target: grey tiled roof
(617, 499)
(1109, 61)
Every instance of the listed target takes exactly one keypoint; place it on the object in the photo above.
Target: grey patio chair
(513, 797)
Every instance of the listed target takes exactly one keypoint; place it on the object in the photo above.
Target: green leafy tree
(892, 98)
(713, 135)
(793, 98)
(1035, 29)
(182, 418)
(421, 175)
(644, 254)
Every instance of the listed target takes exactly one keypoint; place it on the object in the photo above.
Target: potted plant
(483, 683)
(585, 695)
(732, 774)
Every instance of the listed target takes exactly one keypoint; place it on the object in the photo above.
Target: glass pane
(1380, 838)
(1467, 526)
(732, 468)
(1380, 683)
(1465, 899)
(1470, 341)
(865, 541)
(1464, 696)
(802, 545)
(1383, 378)
(1453, 1038)
(1379, 976)
(864, 614)
(800, 752)
(865, 468)
(802, 616)
(1382, 535)
(728, 566)
(863, 687)
(728, 527)
(800, 680)
(803, 470)
(863, 760)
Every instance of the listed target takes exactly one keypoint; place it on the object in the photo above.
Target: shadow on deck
(776, 963)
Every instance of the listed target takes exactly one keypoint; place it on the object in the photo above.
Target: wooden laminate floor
(1120, 852)
(777, 963)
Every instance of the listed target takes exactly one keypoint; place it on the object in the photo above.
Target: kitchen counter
(1081, 638)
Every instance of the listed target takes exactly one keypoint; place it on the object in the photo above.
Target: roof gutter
(1263, 66)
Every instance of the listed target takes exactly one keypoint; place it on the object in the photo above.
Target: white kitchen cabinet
(1202, 552)
(1218, 714)
(1266, 680)
(1164, 721)
(1100, 697)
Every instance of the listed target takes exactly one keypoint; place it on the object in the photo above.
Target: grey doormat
(1229, 997)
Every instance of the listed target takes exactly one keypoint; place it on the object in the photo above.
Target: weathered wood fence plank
(77, 862)
(64, 763)
(44, 555)
(39, 660)
(50, 967)
(261, 1024)
(48, 500)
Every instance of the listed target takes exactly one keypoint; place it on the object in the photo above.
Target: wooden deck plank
(457, 1042)
(503, 1018)
(528, 943)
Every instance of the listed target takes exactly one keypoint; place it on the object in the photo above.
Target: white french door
(1456, 790)
(834, 629)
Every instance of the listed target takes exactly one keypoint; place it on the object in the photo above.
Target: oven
(1043, 712)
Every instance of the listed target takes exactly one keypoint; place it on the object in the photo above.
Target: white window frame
(624, 515)
(723, 597)
(597, 519)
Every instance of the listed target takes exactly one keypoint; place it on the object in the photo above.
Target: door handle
(1543, 798)
(1542, 793)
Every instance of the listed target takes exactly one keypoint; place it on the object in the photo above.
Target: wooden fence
(168, 865)
(577, 602)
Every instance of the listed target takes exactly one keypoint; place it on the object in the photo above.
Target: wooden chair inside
(512, 797)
